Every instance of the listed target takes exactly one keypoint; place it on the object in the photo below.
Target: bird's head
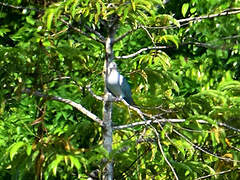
(112, 66)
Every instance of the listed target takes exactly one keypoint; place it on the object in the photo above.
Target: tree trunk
(107, 110)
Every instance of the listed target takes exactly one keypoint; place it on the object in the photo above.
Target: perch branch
(94, 95)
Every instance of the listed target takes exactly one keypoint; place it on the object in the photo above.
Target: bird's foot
(118, 99)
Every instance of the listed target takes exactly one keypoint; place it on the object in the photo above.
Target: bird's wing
(126, 90)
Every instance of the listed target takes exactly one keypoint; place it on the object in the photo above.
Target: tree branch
(224, 13)
(162, 151)
(140, 51)
(156, 121)
(186, 21)
(124, 35)
(218, 173)
(148, 122)
(99, 35)
(20, 7)
(203, 150)
(66, 101)
(138, 111)
(94, 95)
(81, 32)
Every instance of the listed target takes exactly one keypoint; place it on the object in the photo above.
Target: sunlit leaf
(185, 7)
(14, 149)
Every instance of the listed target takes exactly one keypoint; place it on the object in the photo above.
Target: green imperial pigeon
(118, 85)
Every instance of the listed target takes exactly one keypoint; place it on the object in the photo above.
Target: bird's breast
(113, 83)
(113, 78)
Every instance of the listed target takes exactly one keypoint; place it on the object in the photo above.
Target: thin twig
(98, 34)
(140, 51)
(150, 36)
(155, 121)
(164, 156)
(138, 111)
(200, 44)
(66, 101)
(94, 95)
(229, 127)
(218, 173)
(230, 11)
(224, 13)
(138, 157)
(20, 7)
(186, 21)
(60, 32)
(124, 35)
(81, 32)
(201, 149)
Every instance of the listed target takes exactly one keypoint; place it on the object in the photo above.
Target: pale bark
(107, 107)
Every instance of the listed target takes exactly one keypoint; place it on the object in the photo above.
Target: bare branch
(20, 7)
(224, 13)
(186, 21)
(81, 32)
(66, 101)
(228, 127)
(140, 51)
(60, 32)
(156, 121)
(94, 95)
(210, 45)
(200, 44)
(201, 149)
(218, 173)
(138, 111)
(99, 35)
(62, 78)
(150, 36)
(162, 151)
(124, 35)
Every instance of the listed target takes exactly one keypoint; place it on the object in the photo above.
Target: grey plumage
(118, 85)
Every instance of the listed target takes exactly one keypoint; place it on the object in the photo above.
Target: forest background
(181, 59)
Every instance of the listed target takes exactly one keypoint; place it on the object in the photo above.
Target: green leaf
(75, 161)
(50, 19)
(30, 20)
(3, 31)
(14, 149)
(185, 9)
(133, 5)
(98, 8)
(54, 164)
(29, 149)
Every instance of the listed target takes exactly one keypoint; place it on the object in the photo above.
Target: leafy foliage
(57, 48)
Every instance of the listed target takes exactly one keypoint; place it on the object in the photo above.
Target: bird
(117, 84)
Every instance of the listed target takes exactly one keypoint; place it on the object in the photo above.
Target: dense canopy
(181, 59)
